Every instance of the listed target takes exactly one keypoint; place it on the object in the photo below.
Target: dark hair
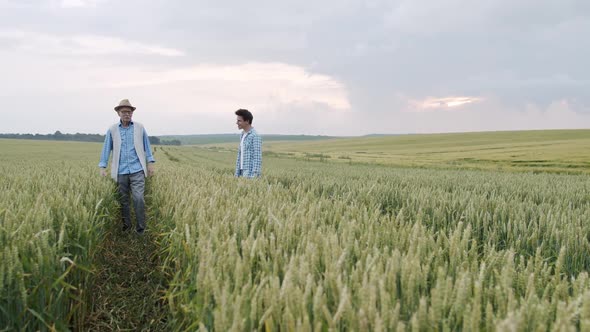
(245, 114)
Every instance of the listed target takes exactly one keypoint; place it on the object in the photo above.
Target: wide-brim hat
(124, 103)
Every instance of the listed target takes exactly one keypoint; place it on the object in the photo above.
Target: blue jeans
(136, 183)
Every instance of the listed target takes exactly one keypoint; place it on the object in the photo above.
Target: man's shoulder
(253, 132)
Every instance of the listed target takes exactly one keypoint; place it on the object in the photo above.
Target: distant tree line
(58, 136)
(157, 141)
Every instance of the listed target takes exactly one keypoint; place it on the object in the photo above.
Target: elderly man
(132, 162)
(249, 161)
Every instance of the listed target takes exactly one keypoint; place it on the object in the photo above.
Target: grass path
(126, 295)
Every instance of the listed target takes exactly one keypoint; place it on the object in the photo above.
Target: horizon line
(324, 135)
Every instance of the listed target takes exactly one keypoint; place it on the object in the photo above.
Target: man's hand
(151, 169)
(103, 172)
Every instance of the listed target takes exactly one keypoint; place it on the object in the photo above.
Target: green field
(229, 138)
(549, 150)
(371, 242)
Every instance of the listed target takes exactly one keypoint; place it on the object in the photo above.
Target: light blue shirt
(128, 161)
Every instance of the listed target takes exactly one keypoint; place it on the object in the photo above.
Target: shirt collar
(121, 124)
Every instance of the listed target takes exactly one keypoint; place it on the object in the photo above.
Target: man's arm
(256, 156)
(148, 153)
(107, 147)
(237, 172)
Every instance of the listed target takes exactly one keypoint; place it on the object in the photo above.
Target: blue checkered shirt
(252, 155)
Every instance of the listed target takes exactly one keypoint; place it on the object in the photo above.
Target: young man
(249, 161)
(132, 162)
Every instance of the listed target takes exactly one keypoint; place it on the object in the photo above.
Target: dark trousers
(136, 184)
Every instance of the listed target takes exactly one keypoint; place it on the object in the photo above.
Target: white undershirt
(242, 150)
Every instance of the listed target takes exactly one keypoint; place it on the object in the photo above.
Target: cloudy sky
(329, 67)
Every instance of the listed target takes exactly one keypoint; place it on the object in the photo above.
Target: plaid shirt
(252, 155)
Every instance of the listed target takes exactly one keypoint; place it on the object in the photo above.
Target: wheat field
(310, 246)
(52, 212)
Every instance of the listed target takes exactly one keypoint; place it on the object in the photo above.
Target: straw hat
(124, 103)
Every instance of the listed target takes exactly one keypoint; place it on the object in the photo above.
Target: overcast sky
(329, 67)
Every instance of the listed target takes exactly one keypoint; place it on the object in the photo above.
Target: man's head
(125, 110)
(244, 118)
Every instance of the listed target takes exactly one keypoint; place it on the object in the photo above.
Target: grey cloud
(384, 52)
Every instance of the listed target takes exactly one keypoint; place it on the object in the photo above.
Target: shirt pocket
(247, 143)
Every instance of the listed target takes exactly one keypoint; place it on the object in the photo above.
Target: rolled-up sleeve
(256, 156)
(107, 147)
